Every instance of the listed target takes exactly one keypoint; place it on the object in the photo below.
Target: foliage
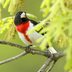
(58, 13)
(8, 22)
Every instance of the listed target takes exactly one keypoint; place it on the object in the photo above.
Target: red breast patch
(27, 38)
(23, 27)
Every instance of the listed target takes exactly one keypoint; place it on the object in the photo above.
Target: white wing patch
(23, 38)
(33, 37)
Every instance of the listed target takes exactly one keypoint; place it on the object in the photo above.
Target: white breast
(33, 37)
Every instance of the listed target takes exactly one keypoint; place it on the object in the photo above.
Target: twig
(51, 57)
(13, 58)
(51, 66)
(30, 50)
(12, 44)
(47, 63)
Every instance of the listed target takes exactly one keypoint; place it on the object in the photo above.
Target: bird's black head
(20, 17)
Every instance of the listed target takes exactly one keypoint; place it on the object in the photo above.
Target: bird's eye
(23, 15)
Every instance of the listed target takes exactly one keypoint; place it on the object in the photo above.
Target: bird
(23, 24)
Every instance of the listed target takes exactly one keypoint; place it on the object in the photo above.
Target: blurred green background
(28, 63)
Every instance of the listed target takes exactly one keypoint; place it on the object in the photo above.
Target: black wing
(34, 22)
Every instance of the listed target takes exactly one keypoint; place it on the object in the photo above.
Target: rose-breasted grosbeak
(23, 25)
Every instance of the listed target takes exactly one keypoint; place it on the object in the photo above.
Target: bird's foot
(28, 48)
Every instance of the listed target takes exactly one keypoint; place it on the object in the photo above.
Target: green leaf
(69, 56)
(31, 16)
(6, 3)
(2, 2)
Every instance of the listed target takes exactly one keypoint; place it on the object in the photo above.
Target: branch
(51, 66)
(45, 65)
(27, 48)
(12, 44)
(32, 50)
(13, 58)
(53, 58)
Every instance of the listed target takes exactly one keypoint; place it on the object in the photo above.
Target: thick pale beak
(23, 15)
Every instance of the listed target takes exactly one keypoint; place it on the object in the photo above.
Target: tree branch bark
(45, 65)
(13, 58)
(32, 50)
(27, 48)
(51, 66)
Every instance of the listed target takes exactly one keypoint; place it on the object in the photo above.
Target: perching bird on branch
(23, 25)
